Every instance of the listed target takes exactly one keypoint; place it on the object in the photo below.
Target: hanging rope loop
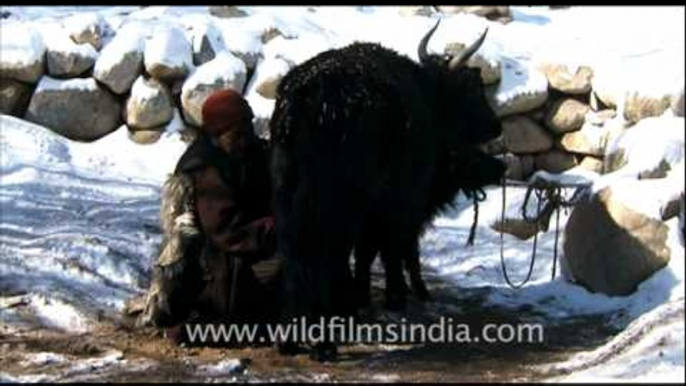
(550, 193)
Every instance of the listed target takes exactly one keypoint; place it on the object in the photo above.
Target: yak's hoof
(324, 352)
(288, 348)
(395, 302)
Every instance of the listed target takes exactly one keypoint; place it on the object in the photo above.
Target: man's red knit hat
(223, 110)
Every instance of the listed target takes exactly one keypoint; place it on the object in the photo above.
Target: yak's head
(462, 103)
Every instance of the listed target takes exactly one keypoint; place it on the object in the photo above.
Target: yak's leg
(365, 253)
(396, 288)
(401, 243)
(415, 271)
(289, 200)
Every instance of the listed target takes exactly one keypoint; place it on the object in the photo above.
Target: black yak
(367, 146)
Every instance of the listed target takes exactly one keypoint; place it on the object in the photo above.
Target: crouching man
(216, 263)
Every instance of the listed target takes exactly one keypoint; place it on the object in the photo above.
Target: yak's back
(346, 85)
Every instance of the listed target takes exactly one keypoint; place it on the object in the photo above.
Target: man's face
(232, 139)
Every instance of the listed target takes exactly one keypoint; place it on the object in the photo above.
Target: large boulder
(562, 79)
(521, 89)
(14, 97)
(523, 135)
(149, 105)
(224, 71)
(648, 149)
(566, 115)
(555, 161)
(168, 55)
(610, 247)
(78, 109)
(121, 61)
(23, 53)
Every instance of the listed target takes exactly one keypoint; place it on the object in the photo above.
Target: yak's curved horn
(421, 51)
(462, 58)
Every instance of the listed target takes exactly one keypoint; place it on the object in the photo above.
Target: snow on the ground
(79, 222)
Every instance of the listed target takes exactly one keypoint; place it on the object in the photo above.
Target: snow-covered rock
(649, 148)
(224, 71)
(206, 40)
(566, 115)
(243, 38)
(168, 54)
(78, 109)
(521, 89)
(267, 76)
(646, 86)
(23, 52)
(14, 97)
(612, 243)
(560, 78)
(121, 61)
(523, 135)
(65, 58)
(149, 105)
(86, 28)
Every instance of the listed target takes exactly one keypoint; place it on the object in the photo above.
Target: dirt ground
(148, 356)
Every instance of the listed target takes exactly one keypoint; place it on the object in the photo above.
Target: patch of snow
(42, 359)
(169, 46)
(52, 84)
(58, 314)
(176, 125)
(113, 358)
(223, 367)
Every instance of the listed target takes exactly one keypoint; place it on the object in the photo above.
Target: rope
(477, 196)
(502, 241)
(545, 191)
